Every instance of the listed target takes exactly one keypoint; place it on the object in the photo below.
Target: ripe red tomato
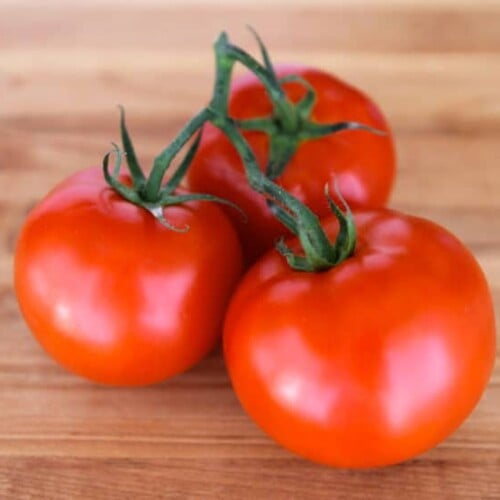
(114, 295)
(371, 362)
(362, 163)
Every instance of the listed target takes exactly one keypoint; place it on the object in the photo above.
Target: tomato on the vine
(114, 295)
(360, 162)
(372, 361)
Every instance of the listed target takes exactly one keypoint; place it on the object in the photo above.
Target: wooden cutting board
(433, 66)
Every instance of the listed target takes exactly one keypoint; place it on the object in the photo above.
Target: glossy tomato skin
(363, 164)
(113, 295)
(369, 363)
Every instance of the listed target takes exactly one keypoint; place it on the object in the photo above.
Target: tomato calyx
(290, 123)
(152, 193)
(329, 255)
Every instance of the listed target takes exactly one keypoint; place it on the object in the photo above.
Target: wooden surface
(433, 66)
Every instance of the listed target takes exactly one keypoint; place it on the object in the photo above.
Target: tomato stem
(288, 126)
(164, 159)
(319, 252)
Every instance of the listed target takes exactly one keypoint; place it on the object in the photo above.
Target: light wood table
(433, 66)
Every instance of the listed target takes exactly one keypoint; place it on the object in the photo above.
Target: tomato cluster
(362, 339)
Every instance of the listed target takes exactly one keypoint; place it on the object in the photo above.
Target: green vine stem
(318, 252)
(290, 126)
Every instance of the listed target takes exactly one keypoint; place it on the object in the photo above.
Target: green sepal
(264, 124)
(112, 179)
(345, 242)
(136, 172)
(173, 199)
(157, 212)
(317, 130)
(306, 104)
(173, 183)
(296, 262)
(264, 53)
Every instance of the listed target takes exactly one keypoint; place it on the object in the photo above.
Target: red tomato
(362, 163)
(115, 296)
(371, 362)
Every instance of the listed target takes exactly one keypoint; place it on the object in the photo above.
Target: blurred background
(433, 66)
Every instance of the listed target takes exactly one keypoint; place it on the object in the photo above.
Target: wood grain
(433, 66)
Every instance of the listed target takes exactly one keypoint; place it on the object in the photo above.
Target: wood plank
(461, 5)
(377, 27)
(448, 171)
(64, 89)
(457, 477)
(225, 478)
